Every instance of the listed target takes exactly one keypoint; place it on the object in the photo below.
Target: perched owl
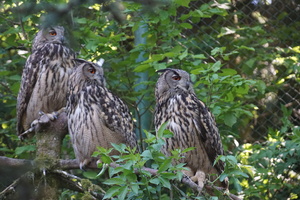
(44, 79)
(191, 122)
(96, 117)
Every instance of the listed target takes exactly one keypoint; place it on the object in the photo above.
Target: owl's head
(90, 72)
(172, 82)
(48, 35)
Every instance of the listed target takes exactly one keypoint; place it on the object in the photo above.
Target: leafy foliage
(240, 81)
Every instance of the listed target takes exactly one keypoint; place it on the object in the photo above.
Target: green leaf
(90, 174)
(228, 71)
(168, 134)
(131, 177)
(184, 3)
(155, 181)
(147, 154)
(186, 25)
(223, 176)
(135, 188)
(81, 20)
(165, 183)
(105, 159)
(183, 55)
(239, 173)
(22, 149)
(142, 67)
(229, 97)
(199, 56)
(229, 119)
(169, 175)
(4, 73)
(247, 48)
(216, 66)
(261, 86)
(161, 130)
(111, 192)
(188, 149)
(232, 159)
(218, 50)
(114, 181)
(14, 78)
(122, 192)
(237, 184)
(112, 171)
(218, 11)
(165, 165)
(242, 90)
(119, 147)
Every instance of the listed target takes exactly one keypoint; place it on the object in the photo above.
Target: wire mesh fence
(270, 27)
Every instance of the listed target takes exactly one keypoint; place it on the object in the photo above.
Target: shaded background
(243, 57)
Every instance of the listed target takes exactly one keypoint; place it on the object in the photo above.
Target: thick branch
(73, 164)
(12, 162)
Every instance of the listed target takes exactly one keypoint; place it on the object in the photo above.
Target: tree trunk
(49, 136)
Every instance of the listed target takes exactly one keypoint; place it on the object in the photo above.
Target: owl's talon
(83, 164)
(31, 130)
(46, 117)
(41, 113)
(200, 178)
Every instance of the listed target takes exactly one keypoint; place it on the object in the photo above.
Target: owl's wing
(208, 133)
(117, 117)
(29, 78)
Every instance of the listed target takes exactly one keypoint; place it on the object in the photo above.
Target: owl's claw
(199, 177)
(44, 118)
(31, 130)
(52, 116)
(83, 164)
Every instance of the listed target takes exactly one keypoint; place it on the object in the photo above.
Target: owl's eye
(52, 33)
(92, 70)
(176, 77)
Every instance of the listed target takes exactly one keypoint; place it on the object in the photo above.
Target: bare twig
(75, 183)
(12, 187)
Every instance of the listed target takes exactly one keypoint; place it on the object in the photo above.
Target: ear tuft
(162, 70)
(79, 61)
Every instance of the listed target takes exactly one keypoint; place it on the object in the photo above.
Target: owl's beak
(188, 85)
(62, 39)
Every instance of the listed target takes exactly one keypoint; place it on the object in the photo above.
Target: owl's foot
(47, 117)
(83, 164)
(199, 177)
(44, 118)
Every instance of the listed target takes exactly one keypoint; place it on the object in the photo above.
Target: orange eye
(176, 78)
(52, 33)
(92, 70)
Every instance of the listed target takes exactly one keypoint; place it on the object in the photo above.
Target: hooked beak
(62, 39)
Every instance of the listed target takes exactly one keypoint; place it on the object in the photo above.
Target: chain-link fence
(271, 28)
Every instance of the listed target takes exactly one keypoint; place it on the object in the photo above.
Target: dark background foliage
(243, 56)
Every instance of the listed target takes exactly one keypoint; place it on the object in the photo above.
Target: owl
(191, 122)
(44, 78)
(96, 117)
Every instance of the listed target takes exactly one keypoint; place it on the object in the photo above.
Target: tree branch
(73, 164)
(13, 162)
(74, 182)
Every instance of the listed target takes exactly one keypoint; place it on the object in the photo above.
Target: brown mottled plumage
(44, 79)
(191, 122)
(96, 117)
